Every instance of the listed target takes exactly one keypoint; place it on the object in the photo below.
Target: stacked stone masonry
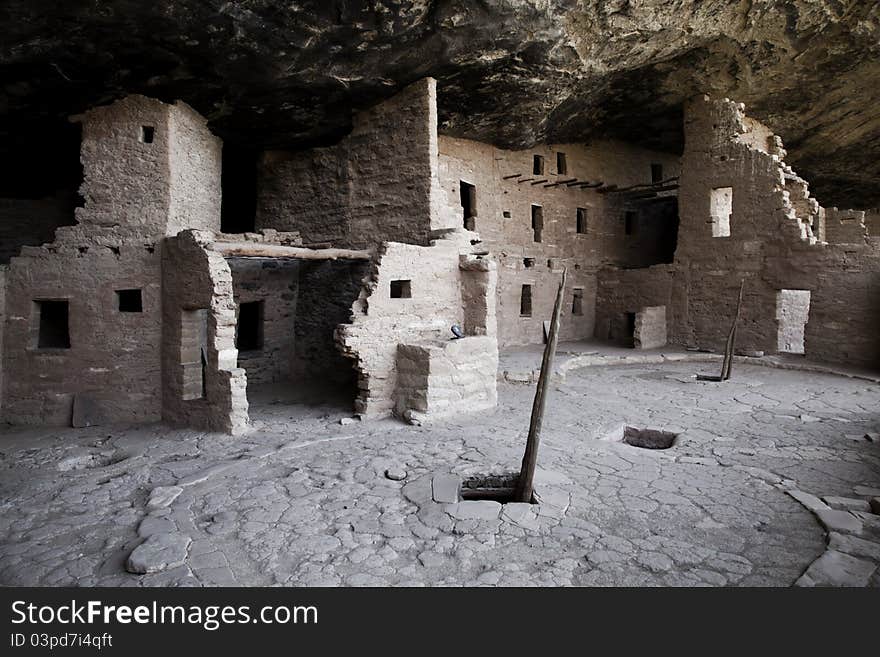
(128, 312)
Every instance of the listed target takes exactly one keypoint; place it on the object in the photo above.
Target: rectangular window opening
(656, 173)
(528, 263)
(538, 165)
(129, 301)
(468, 195)
(577, 301)
(401, 289)
(630, 221)
(720, 209)
(537, 222)
(249, 328)
(561, 164)
(525, 301)
(582, 221)
(147, 134)
(54, 325)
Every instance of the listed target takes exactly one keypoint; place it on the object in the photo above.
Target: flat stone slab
(476, 510)
(521, 514)
(163, 496)
(445, 487)
(159, 552)
(866, 491)
(837, 569)
(811, 502)
(847, 503)
(395, 474)
(87, 412)
(857, 547)
(839, 521)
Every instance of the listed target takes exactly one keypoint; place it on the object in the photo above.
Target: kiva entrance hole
(494, 487)
(649, 438)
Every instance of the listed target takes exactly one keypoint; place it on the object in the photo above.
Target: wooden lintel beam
(259, 250)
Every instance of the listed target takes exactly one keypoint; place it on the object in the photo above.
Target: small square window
(54, 329)
(147, 134)
(528, 263)
(538, 165)
(401, 289)
(561, 164)
(129, 301)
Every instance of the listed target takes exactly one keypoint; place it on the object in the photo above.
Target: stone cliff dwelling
(290, 291)
(358, 258)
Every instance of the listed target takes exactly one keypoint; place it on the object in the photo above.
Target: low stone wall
(440, 379)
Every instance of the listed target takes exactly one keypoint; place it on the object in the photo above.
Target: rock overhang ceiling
(512, 72)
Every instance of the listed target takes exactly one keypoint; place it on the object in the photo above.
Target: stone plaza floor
(768, 483)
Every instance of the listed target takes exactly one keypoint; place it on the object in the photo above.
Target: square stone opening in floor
(648, 438)
(494, 487)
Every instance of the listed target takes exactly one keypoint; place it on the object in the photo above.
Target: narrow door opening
(581, 221)
(468, 195)
(525, 301)
(249, 329)
(537, 222)
(577, 302)
(54, 324)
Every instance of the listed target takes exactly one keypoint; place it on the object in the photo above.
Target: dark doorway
(54, 328)
(468, 204)
(249, 330)
(238, 211)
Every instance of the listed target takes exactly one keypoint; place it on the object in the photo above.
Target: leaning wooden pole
(731, 337)
(525, 484)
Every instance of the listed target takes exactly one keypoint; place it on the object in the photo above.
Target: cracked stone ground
(305, 500)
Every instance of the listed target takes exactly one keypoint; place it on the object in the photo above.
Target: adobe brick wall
(775, 243)
(379, 322)
(134, 194)
(378, 184)
(510, 239)
(193, 279)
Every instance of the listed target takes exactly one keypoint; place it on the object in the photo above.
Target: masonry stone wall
(431, 304)
(775, 243)
(113, 357)
(504, 222)
(131, 159)
(378, 184)
(446, 377)
(275, 285)
(202, 385)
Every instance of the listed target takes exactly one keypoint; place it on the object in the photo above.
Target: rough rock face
(511, 72)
